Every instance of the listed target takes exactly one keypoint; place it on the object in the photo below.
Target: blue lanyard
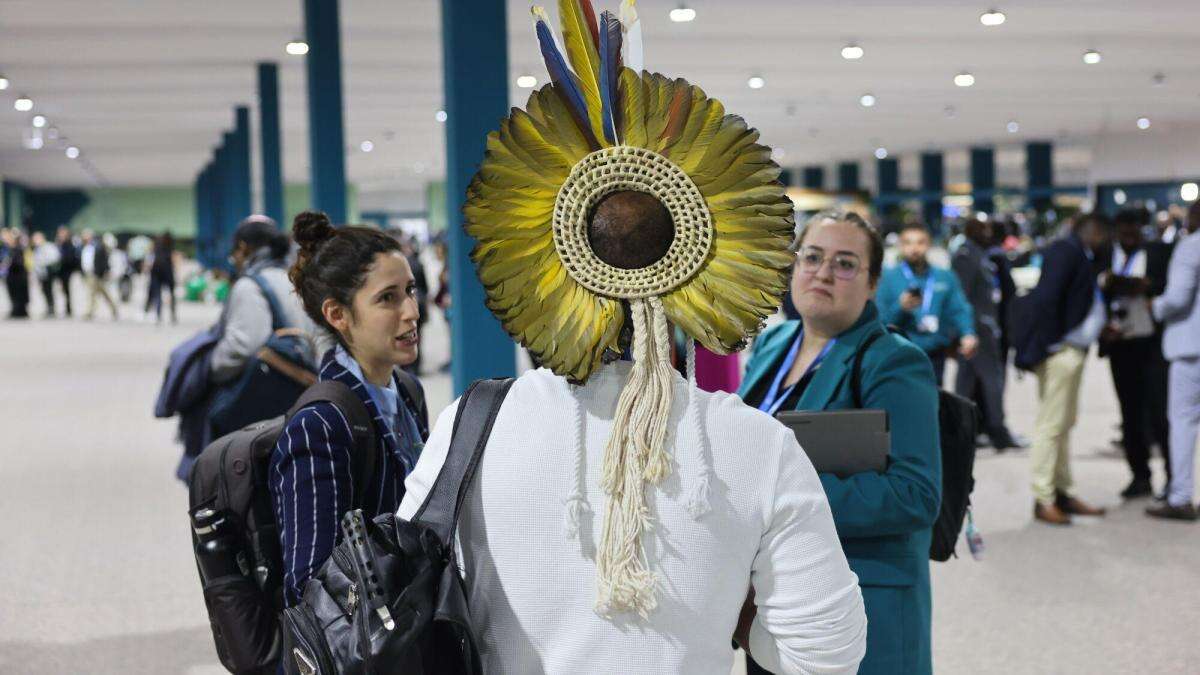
(774, 399)
(927, 294)
(1128, 266)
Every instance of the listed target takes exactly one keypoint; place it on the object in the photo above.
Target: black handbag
(390, 599)
(273, 378)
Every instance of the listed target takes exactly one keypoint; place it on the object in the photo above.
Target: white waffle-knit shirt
(532, 589)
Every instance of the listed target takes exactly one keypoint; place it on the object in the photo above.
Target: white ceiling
(146, 88)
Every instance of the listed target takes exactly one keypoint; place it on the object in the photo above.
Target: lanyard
(1128, 266)
(774, 399)
(927, 294)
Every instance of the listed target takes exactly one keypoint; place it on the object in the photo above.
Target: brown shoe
(1050, 513)
(1076, 507)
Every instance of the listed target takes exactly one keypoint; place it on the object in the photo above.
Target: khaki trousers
(1059, 378)
(97, 288)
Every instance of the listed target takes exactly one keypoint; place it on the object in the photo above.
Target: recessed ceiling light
(852, 52)
(867, 100)
(36, 143)
(1120, 197)
(1159, 79)
(23, 104)
(992, 17)
(683, 14)
(756, 82)
(1012, 127)
(1091, 57)
(880, 153)
(297, 47)
(72, 152)
(964, 79)
(366, 146)
(440, 116)
(1143, 123)
(526, 81)
(39, 121)
(1189, 192)
(3, 83)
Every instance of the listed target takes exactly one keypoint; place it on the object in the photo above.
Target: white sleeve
(420, 480)
(810, 609)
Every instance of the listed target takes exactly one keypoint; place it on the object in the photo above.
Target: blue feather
(564, 80)
(610, 71)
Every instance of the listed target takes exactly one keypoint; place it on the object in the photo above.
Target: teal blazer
(883, 520)
(956, 318)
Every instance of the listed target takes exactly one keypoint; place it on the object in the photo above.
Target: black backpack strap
(278, 319)
(856, 370)
(477, 412)
(361, 427)
(415, 396)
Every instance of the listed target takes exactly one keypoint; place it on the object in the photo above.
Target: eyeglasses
(845, 266)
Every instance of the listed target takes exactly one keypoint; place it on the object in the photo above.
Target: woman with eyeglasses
(883, 519)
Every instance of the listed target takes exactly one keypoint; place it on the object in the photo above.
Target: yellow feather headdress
(600, 127)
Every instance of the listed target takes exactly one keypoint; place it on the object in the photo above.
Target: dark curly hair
(332, 262)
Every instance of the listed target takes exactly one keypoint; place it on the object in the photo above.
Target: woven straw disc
(626, 167)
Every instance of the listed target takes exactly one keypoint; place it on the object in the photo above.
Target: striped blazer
(311, 479)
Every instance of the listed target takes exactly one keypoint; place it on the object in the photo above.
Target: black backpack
(958, 424)
(234, 531)
(390, 598)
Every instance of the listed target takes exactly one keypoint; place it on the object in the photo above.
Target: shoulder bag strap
(278, 320)
(415, 394)
(361, 428)
(856, 371)
(473, 424)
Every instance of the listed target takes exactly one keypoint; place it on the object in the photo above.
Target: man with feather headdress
(623, 520)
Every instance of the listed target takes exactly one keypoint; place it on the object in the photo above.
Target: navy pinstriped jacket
(311, 476)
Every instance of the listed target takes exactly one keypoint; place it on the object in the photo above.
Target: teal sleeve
(905, 498)
(887, 298)
(961, 312)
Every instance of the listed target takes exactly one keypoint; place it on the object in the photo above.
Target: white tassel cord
(632, 43)
(575, 503)
(636, 453)
(698, 501)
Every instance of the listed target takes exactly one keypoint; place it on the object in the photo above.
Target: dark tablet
(842, 442)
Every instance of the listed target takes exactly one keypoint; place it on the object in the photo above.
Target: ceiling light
(23, 104)
(3, 83)
(36, 143)
(72, 152)
(39, 121)
(867, 100)
(297, 47)
(440, 116)
(992, 17)
(683, 14)
(527, 82)
(1189, 192)
(1143, 123)
(1159, 79)
(852, 52)
(366, 146)
(1091, 57)
(964, 79)
(756, 82)
(1012, 127)
(1120, 197)
(880, 153)
(418, 168)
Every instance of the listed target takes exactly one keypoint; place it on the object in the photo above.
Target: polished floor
(97, 576)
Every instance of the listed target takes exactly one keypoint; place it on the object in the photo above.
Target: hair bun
(310, 229)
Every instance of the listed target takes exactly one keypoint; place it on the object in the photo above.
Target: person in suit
(1008, 287)
(15, 271)
(68, 263)
(1136, 274)
(882, 519)
(356, 283)
(926, 302)
(981, 284)
(95, 265)
(1179, 309)
(1055, 326)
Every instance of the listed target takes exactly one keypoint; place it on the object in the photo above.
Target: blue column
(1039, 172)
(269, 141)
(887, 175)
(326, 137)
(983, 179)
(475, 59)
(814, 177)
(201, 200)
(848, 177)
(933, 186)
(787, 177)
(242, 190)
(229, 219)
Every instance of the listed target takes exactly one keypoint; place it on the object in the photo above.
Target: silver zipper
(305, 664)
